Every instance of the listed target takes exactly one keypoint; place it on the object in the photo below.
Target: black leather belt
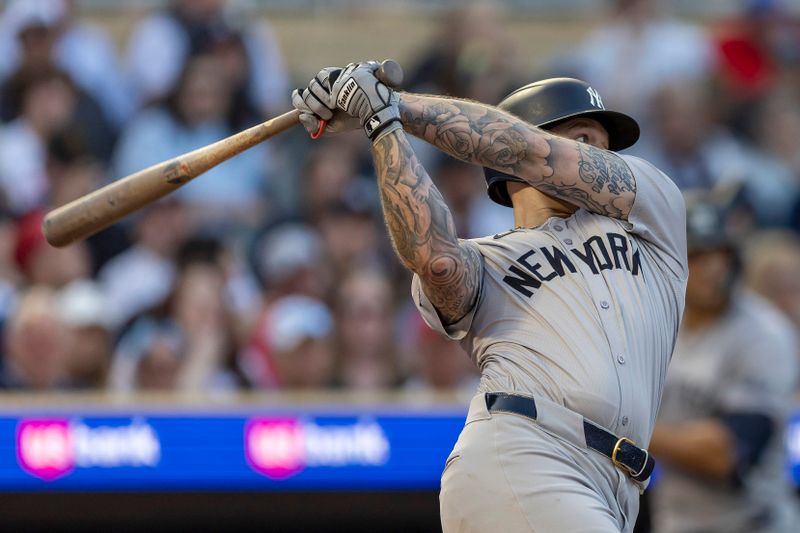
(625, 455)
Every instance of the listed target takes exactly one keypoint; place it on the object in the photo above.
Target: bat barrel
(98, 210)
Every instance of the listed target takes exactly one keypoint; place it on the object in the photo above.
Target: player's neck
(532, 208)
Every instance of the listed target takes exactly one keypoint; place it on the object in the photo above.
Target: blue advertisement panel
(285, 451)
(294, 449)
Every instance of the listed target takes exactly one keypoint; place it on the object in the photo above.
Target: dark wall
(306, 512)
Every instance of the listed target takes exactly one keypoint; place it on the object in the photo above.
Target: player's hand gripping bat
(98, 210)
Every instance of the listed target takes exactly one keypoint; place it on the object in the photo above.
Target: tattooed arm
(585, 176)
(422, 229)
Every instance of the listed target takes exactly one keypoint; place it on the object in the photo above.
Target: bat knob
(391, 73)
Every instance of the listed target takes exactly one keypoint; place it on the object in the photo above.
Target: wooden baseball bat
(89, 214)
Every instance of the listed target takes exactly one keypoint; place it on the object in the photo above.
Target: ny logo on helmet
(594, 97)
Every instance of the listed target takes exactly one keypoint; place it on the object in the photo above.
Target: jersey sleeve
(457, 330)
(658, 214)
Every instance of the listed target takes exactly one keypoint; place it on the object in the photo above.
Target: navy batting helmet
(546, 104)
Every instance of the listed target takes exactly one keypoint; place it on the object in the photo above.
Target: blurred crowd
(273, 271)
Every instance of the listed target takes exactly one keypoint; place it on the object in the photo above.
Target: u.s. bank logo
(594, 98)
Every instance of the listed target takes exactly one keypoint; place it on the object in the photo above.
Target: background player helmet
(707, 229)
(548, 103)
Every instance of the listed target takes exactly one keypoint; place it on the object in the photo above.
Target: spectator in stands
(773, 270)
(10, 275)
(438, 364)
(350, 231)
(694, 149)
(639, 50)
(43, 264)
(291, 346)
(37, 43)
(464, 190)
(141, 276)
(687, 142)
(147, 358)
(185, 344)
(755, 51)
(775, 180)
(289, 259)
(161, 44)
(329, 172)
(37, 343)
(72, 172)
(366, 342)
(470, 56)
(47, 104)
(84, 311)
(83, 51)
(197, 114)
(777, 122)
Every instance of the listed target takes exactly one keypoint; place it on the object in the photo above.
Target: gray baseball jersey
(744, 363)
(582, 311)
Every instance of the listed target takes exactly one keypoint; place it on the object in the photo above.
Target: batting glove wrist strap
(382, 123)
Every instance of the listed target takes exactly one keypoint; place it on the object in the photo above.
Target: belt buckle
(624, 467)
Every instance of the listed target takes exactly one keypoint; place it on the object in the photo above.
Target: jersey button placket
(621, 359)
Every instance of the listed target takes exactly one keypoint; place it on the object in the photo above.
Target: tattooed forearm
(422, 229)
(583, 175)
(599, 170)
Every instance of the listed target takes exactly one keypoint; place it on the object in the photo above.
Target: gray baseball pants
(512, 474)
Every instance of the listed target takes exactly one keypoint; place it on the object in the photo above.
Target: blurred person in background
(47, 103)
(639, 50)
(10, 276)
(82, 50)
(350, 232)
(772, 269)
(195, 114)
(777, 123)
(774, 179)
(366, 344)
(289, 258)
(141, 276)
(698, 152)
(37, 38)
(187, 343)
(42, 264)
(37, 343)
(755, 51)
(148, 358)
(73, 171)
(161, 45)
(84, 311)
(291, 346)
(470, 56)
(438, 364)
(727, 396)
(329, 171)
(463, 188)
(687, 142)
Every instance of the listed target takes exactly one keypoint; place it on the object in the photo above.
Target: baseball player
(570, 315)
(726, 399)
